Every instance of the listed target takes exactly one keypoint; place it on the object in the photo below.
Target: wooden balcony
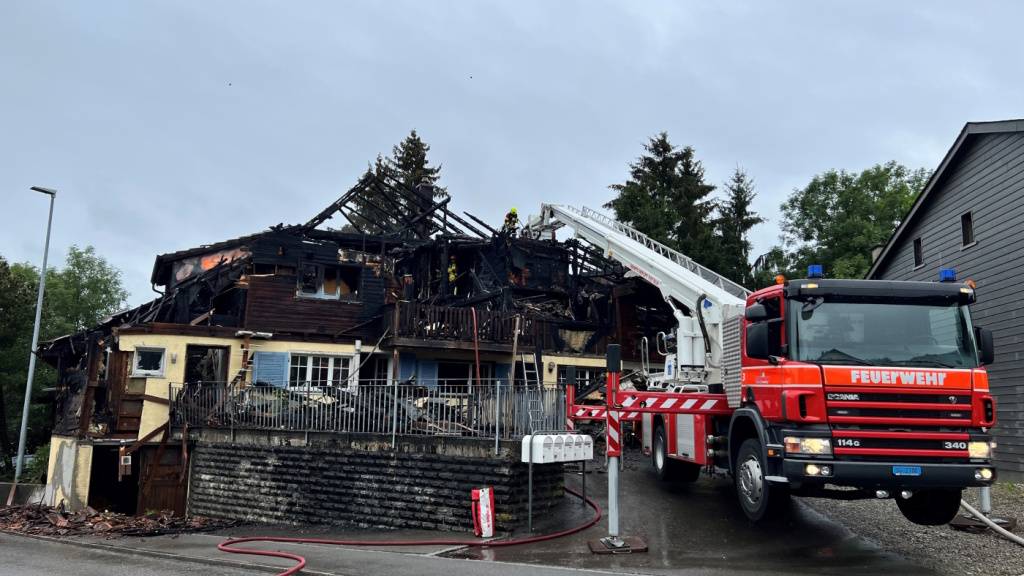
(426, 326)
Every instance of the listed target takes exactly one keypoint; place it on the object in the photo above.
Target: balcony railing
(490, 409)
(445, 323)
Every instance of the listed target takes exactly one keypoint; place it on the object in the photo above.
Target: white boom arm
(706, 295)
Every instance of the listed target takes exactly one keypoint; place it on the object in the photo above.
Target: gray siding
(987, 178)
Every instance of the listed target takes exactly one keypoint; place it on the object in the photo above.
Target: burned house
(303, 328)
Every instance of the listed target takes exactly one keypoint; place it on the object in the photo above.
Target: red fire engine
(814, 387)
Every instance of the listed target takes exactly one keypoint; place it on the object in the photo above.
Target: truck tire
(668, 469)
(758, 498)
(933, 507)
(663, 465)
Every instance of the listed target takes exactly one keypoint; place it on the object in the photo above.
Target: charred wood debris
(49, 521)
(410, 248)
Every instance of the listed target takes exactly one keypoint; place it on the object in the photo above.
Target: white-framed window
(328, 282)
(316, 370)
(148, 362)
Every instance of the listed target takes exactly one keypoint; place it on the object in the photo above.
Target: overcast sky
(165, 125)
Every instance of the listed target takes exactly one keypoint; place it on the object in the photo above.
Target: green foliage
(666, 198)
(839, 217)
(35, 470)
(407, 164)
(411, 167)
(734, 223)
(768, 266)
(78, 295)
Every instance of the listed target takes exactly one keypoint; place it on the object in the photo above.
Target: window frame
(918, 248)
(321, 275)
(969, 215)
(138, 373)
(332, 363)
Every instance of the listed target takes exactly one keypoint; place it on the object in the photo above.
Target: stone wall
(360, 480)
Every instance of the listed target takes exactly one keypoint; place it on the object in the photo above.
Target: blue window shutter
(406, 366)
(270, 368)
(427, 374)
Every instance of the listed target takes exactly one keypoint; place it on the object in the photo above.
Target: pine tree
(411, 167)
(734, 223)
(665, 197)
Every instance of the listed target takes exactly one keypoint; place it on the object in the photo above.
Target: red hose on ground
(226, 546)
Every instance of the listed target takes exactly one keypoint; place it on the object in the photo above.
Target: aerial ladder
(703, 302)
(706, 307)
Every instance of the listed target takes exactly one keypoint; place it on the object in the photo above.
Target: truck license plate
(906, 470)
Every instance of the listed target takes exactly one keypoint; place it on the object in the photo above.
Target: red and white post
(614, 437)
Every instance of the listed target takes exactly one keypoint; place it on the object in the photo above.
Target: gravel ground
(947, 550)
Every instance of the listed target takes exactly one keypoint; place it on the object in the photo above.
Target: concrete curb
(161, 554)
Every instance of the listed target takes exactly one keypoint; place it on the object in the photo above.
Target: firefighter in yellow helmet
(453, 274)
(511, 222)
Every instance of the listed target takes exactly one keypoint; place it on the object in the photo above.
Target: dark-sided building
(970, 217)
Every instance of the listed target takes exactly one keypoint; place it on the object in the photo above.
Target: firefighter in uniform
(453, 273)
(511, 222)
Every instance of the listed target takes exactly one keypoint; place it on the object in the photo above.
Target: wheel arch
(746, 423)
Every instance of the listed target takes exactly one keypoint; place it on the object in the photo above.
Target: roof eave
(968, 129)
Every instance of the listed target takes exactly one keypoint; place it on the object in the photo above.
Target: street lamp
(35, 337)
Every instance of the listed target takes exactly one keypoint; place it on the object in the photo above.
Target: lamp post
(35, 337)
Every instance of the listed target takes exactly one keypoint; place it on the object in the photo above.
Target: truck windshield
(882, 334)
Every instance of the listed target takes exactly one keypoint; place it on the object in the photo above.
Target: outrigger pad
(972, 524)
(618, 545)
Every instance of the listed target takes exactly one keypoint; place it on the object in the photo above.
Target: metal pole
(35, 340)
(613, 446)
(583, 500)
(529, 513)
(394, 417)
(497, 413)
(986, 500)
(613, 496)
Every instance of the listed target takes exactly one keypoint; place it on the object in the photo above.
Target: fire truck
(813, 387)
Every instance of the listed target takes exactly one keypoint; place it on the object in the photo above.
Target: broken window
(457, 377)
(320, 281)
(319, 371)
(585, 376)
(148, 362)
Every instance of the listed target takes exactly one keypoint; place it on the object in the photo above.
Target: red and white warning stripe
(614, 434)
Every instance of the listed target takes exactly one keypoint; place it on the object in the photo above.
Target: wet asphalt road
(20, 556)
(700, 529)
(691, 530)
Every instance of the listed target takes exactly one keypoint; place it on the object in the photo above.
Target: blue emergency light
(815, 271)
(947, 275)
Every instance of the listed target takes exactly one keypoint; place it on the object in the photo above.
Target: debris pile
(46, 521)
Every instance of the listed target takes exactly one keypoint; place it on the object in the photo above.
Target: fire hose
(300, 562)
(995, 527)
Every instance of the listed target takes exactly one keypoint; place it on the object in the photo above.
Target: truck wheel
(758, 497)
(668, 469)
(664, 466)
(933, 507)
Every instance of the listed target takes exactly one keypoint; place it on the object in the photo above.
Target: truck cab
(863, 389)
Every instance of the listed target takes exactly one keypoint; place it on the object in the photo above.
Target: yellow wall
(155, 415)
(68, 472)
(551, 376)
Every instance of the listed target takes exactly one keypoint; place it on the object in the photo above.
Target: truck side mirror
(986, 346)
(757, 339)
(756, 313)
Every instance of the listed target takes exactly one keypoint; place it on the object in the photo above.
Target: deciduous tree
(78, 295)
(839, 217)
